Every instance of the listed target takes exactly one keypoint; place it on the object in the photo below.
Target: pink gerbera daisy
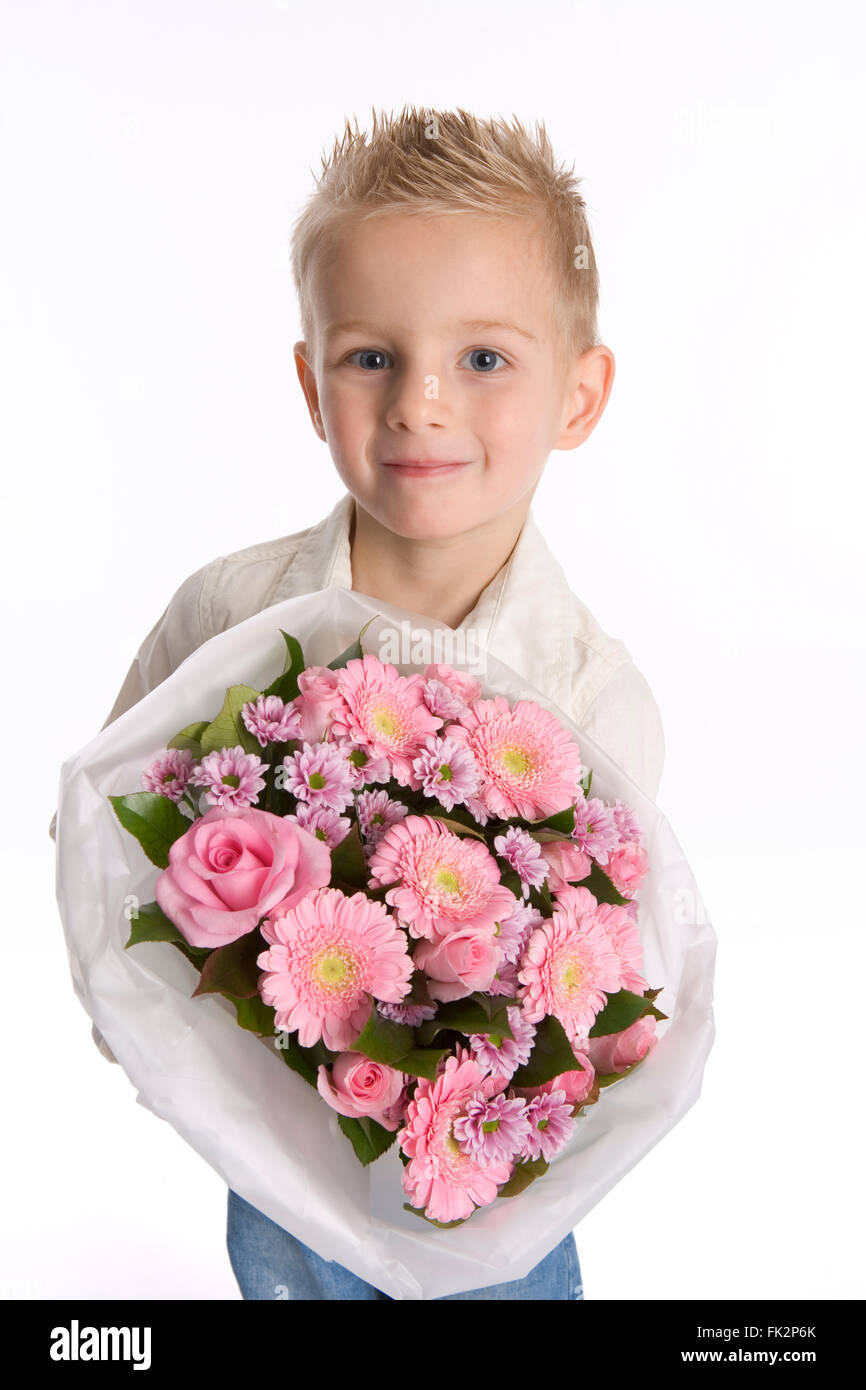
(569, 967)
(526, 757)
(384, 712)
(328, 954)
(232, 778)
(169, 773)
(623, 933)
(445, 881)
(440, 1176)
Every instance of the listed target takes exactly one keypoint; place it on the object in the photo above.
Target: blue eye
(367, 352)
(488, 353)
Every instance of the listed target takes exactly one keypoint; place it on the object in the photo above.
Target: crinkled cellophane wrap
(230, 1095)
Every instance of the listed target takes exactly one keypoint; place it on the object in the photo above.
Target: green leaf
(383, 1040)
(154, 820)
(586, 782)
(474, 1014)
(524, 1174)
(298, 1058)
(560, 820)
(286, 684)
(422, 1061)
(353, 652)
(228, 729)
(151, 924)
(255, 1015)
(443, 1225)
(232, 969)
(347, 860)
(190, 738)
(601, 887)
(457, 827)
(551, 1055)
(540, 898)
(369, 1139)
(621, 1011)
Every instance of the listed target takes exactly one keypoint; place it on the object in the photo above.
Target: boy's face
(408, 366)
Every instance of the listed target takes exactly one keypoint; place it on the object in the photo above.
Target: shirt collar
(521, 616)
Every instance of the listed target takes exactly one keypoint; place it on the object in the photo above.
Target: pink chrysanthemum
(376, 812)
(627, 823)
(169, 773)
(319, 774)
(442, 700)
(328, 953)
(445, 769)
(524, 855)
(444, 881)
(232, 778)
(439, 677)
(526, 757)
(569, 967)
(384, 712)
(476, 807)
(440, 1176)
(551, 1125)
(364, 766)
(502, 1056)
(594, 828)
(493, 1130)
(272, 720)
(322, 822)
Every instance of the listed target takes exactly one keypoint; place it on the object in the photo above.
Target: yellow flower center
(571, 976)
(383, 723)
(447, 879)
(515, 761)
(332, 969)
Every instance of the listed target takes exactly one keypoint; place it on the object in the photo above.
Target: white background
(154, 156)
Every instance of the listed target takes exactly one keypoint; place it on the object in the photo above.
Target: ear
(588, 386)
(307, 379)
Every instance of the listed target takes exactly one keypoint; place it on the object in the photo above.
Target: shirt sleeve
(177, 633)
(624, 720)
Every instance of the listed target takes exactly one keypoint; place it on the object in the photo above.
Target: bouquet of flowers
(411, 889)
(382, 943)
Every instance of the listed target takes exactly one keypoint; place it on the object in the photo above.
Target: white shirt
(527, 616)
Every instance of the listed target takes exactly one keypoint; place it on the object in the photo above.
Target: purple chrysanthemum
(492, 1131)
(514, 931)
(446, 769)
(322, 822)
(272, 720)
(524, 855)
(232, 778)
(550, 1125)
(318, 773)
(376, 812)
(594, 828)
(169, 773)
(476, 808)
(413, 1014)
(442, 700)
(502, 1056)
(364, 765)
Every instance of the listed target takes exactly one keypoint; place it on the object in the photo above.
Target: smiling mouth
(424, 468)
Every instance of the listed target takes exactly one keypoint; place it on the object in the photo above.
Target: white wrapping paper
(230, 1095)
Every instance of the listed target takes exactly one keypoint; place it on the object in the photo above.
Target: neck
(441, 578)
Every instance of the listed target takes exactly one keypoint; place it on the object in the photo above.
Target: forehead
(433, 268)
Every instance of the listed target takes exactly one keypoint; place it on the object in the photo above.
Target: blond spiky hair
(448, 162)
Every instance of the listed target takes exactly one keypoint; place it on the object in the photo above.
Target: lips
(414, 467)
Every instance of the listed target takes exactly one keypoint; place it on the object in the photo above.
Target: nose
(415, 400)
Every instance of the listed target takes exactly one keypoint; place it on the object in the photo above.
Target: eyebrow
(359, 325)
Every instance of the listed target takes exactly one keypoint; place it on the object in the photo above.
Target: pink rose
(616, 1051)
(464, 961)
(627, 866)
(357, 1086)
(317, 701)
(232, 867)
(566, 860)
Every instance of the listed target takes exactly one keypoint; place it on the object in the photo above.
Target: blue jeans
(269, 1263)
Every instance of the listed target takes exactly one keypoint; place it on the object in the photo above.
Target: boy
(448, 297)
